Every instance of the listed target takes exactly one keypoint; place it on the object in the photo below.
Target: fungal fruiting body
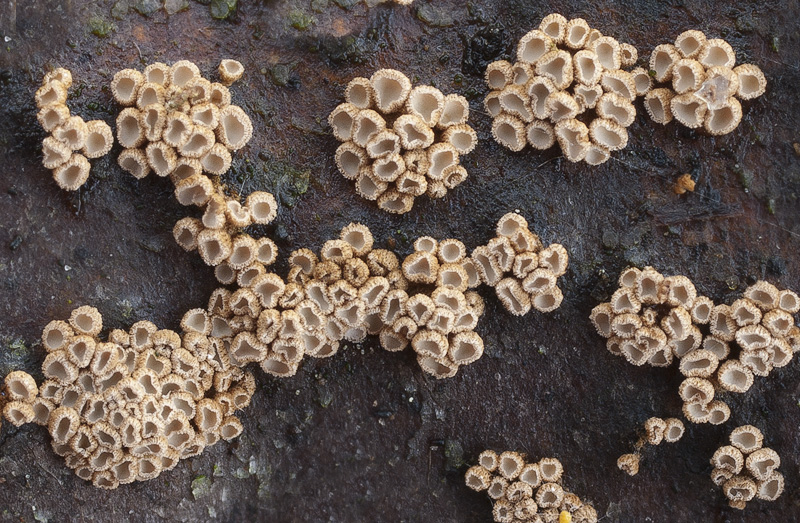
(746, 470)
(523, 273)
(127, 408)
(72, 141)
(656, 431)
(182, 126)
(349, 290)
(629, 463)
(523, 491)
(400, 141)
(178, 124)
(217, 236)
(570, 85)
(683, 184)
(653, 319)
(131, 407)
(698, 84)
(230, 71)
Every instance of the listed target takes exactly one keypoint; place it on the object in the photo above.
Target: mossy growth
(346, 4)
(147, 7)
(745, 176)
(100, 27)
(119, 10)
(201, 486)
(222, 9)
(319, 6)
(434, 15)
(18, 348)
(277, 176)
(16, 353)
(289, 183)
(281, 74)
(349, 49)
(300, 20)
(454, 454)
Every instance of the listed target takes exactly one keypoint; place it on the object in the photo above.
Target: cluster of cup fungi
(529, 492)
(130, 407)
(655, 320)
(401, 141)
(177, 123)
(699, 84)
(746, 469)
(656, 431)
(571, 85)
(72, 141)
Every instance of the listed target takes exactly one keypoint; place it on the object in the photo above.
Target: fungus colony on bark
(653, 319)
(128, 408)
(569, 86)
(656, 431)
(527, 491)
(72, 141)
(699, 84)
(401, 141)
(177, 123)
(656, 320)
(746, 469)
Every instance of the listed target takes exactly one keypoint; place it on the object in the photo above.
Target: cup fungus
(349, 291)
(72, 174)
(187, 126)
(20, 386)
(573, 137)
(704, 84)
(562, 71)
(674, 430)
(400, 142)
(629, 464)
(521, 492)
(337, 307)
(720, 348)
(68, 133)
(122, 429)
(655, 429)
(745, 469)
(230, 71)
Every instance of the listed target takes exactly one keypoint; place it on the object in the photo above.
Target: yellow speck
(684, 183)
(565, 517)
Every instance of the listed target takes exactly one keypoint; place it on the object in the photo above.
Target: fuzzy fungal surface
(368, 435)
